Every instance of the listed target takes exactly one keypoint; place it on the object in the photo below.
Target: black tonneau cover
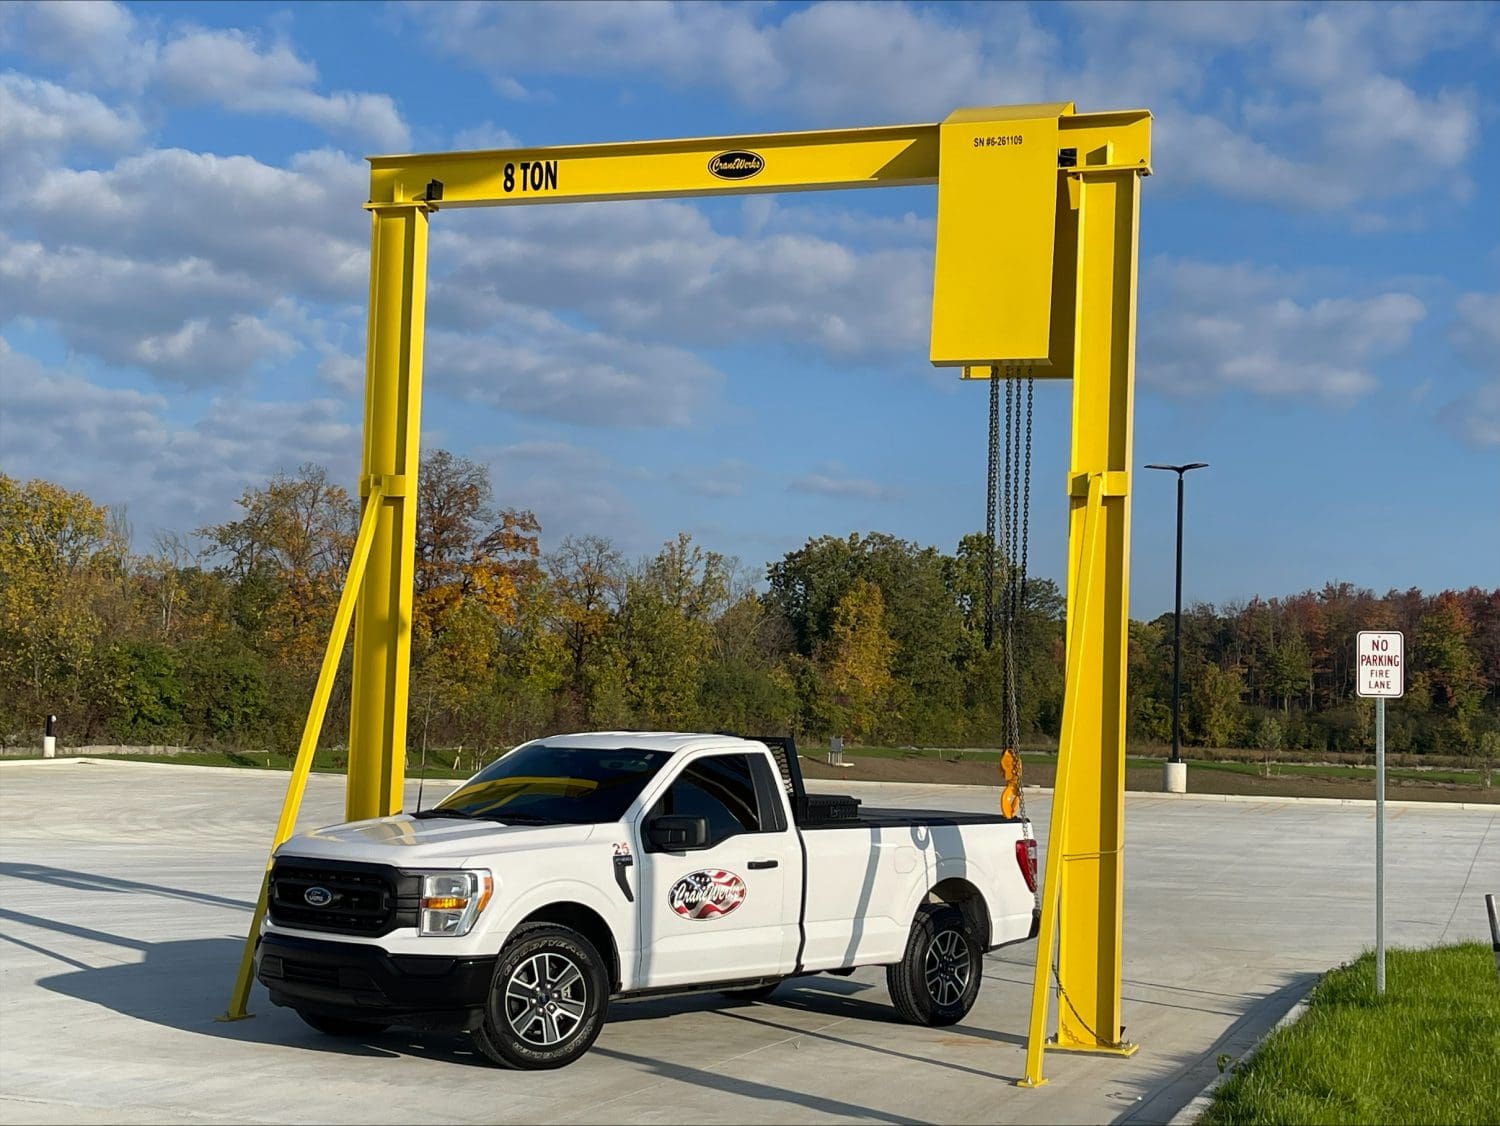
(914, 818)
(838, 811)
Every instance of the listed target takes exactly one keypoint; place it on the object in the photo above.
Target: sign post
(1381, 664)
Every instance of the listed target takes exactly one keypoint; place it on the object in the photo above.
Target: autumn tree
(1213, 703)
(589, 581)
(287, 555)
(1446, 679)
(666, 631)
(857, 658)
(474, 564)
(55, 547)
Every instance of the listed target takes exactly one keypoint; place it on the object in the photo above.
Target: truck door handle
(755, 864)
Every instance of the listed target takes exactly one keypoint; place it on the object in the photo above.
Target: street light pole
(1176, 769)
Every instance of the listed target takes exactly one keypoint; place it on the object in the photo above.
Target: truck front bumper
(361, 982)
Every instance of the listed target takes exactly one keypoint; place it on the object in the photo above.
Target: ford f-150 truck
(577, 869)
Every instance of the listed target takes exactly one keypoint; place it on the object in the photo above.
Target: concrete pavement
(125, 890)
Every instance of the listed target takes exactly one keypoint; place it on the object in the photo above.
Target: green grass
(1317, 770)
(1427, 1052)
(328, 760)
(942, 754)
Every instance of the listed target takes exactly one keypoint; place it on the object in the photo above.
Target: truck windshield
(539, 784)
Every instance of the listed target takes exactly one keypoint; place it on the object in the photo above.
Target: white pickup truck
(578, 869)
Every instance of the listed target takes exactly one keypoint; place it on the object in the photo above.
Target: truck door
(728, 910)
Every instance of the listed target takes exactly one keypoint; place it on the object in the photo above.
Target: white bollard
(1174, 777)
(49, 740)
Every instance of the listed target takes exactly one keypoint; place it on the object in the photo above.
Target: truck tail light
(1026, 858)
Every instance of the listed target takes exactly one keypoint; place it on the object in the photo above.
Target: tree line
(215, 638)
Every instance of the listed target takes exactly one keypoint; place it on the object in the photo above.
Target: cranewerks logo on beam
(737, 165)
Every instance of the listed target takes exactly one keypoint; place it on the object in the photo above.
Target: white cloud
(299, 227)
(343, 372)
(1475, 334)
(230, 69)
(201, 345)
(167, 317)
(117, 444)
(532, 363)
(1475, 415)
(99, 42)
(104, 44)
(1213, 328)
(830, 479)
(660, 270)
(1476, 330)
(725, 479)
(486, 135)
(1331, 102)
(41, 122)
(699, 42)
(571, 489)
(192, 266)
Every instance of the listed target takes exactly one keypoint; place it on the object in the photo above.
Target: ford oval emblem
(737, 165)
(318, 897)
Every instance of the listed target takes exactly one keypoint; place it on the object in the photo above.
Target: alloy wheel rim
(946, 967)
(546, 998)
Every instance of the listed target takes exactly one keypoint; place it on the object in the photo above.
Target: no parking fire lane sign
(1381, 664)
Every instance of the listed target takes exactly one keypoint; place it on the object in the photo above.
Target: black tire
(341, 1026)
(753, 993)
(547, 1000)
(937, 979)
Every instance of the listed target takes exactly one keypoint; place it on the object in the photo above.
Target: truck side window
(719, 788)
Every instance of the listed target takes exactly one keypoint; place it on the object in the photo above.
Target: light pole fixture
(1180, 470)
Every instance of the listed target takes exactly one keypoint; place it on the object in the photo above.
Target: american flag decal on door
(709, 893)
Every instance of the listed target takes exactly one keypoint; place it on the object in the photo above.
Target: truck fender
(568, 892)
(962, 881)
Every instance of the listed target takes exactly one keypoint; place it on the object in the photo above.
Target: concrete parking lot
(125, 890)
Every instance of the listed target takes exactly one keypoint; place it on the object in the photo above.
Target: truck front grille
(342, 897)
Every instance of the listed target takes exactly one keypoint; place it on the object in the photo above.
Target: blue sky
(183, 271)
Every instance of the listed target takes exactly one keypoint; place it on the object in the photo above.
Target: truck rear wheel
(547, 999)
(937, 979)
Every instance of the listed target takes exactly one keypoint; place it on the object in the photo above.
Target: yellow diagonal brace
(1052, 871)
(310, 732)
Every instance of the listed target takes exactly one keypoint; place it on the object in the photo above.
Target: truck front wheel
(937, 979)
(547, 1000)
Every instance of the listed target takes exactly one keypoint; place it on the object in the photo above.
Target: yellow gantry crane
(1035, 272)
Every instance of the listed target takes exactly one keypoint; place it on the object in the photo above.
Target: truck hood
(408, 841)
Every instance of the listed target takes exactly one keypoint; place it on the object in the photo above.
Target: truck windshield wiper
(523, 818)
(439, 811)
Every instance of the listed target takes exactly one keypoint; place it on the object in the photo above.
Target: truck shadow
(184, 984)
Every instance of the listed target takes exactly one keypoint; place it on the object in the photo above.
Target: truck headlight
(451, 901)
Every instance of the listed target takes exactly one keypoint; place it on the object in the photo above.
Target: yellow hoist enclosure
(1034, 274)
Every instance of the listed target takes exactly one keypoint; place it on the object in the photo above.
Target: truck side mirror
(675, 833)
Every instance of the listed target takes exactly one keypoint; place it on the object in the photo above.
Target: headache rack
(809, 810)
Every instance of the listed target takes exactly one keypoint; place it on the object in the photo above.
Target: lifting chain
(1014, 481)
(1036, 894)
(989, 509)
